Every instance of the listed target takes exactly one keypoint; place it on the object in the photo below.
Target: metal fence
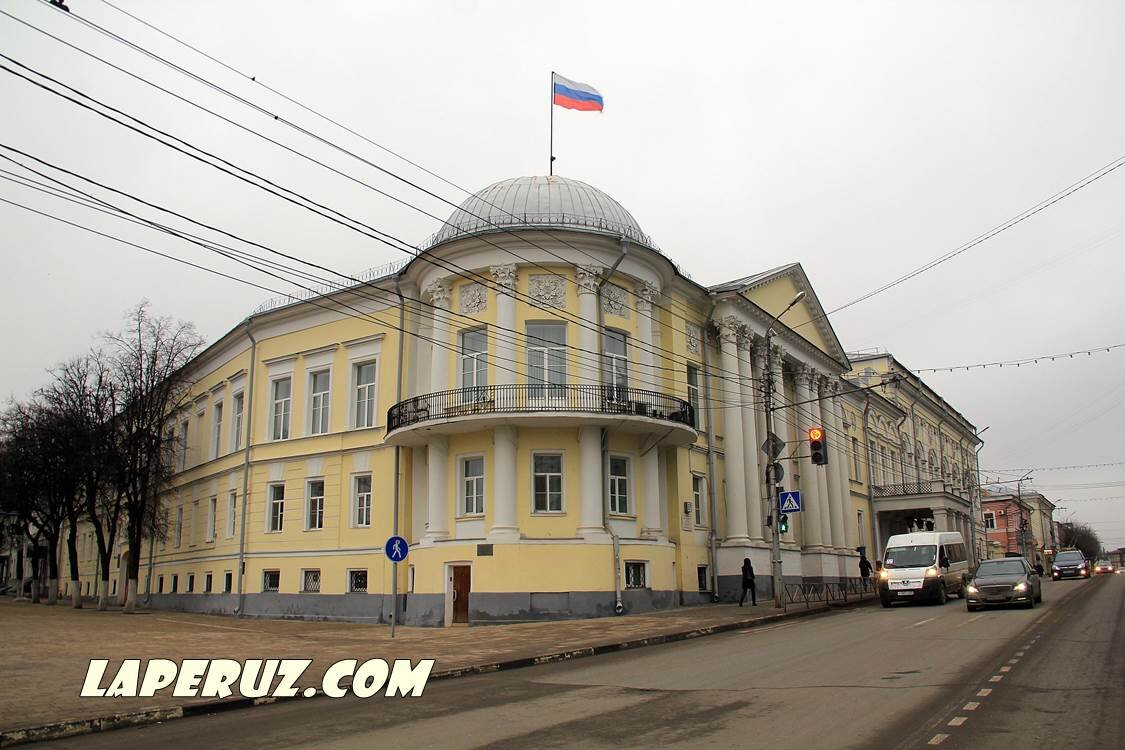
(923, 487)
(829, 592)
(536, 397)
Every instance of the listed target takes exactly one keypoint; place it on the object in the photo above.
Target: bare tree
(1081, 536)
(147, 360)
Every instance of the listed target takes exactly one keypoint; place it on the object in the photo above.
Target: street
(868, 677)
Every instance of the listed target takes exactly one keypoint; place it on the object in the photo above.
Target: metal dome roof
(539, 203)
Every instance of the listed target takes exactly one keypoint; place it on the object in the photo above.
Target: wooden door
(462, 583)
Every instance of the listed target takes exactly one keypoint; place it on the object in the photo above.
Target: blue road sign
(789, 502)
(396, 549)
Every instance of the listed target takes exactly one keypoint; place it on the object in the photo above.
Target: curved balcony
(670, 420)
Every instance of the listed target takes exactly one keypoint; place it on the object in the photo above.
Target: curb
(59, 730)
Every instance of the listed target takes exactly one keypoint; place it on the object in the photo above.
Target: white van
(928, 565)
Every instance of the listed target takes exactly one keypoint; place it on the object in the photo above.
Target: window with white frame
(191, 583)
(314, 505)
(693, 385)
(703, 580)
(886, 471)
(357, 581)
(237, 406)
(855, 459)
(546, 359)
(212, 512)
(310, 581)
(179, 529)
(635, 575)
(619, 485)
(474, 364)
(862, 528)
(472, 485)
(615, 372)
(281, 406)
(365, 394)
(697, 499)
(319, 383)
(271, 580)
(183, 444)
(175, 584)
(547, 482)
(228, 581)
(232, 512)
(275, 512)
(160, 584)
(207, 581)
(362, 504)
(990, 520)
(217, 429)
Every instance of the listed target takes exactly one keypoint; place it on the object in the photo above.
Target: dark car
(1070, 564)
(1006, 581)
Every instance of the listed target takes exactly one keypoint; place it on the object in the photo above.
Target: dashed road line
(971, 706)
(1020, 653)
(1013, 661)
(1005, 669)
(921, 622)
(996, 678)
(984, 692)
(957, 721)
(937, 739)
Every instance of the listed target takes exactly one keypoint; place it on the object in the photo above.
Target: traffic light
(818, 446)
(783, 524)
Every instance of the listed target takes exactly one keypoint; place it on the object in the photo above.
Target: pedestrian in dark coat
(748, 583)
(864, 569)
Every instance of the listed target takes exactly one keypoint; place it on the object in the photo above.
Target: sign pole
(775, 541)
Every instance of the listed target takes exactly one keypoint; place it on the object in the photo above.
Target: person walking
(748, 583)
(864, 569)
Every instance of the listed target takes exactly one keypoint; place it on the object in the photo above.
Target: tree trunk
(52, 569)
(75, 577)
(103, 595)
(131, 597)
(35, 575)
(20, 569)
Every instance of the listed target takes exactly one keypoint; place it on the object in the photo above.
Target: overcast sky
(861, 139)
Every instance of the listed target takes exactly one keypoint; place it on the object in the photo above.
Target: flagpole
(551, 153)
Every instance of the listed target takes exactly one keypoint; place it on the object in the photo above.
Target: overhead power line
(1025, 361)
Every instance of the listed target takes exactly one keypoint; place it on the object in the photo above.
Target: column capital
(504, 275)
(778, 353)
(588, 277)
(646, 292)
(439, 291)
(729, 327)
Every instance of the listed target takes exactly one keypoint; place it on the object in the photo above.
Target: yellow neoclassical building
(559, 421)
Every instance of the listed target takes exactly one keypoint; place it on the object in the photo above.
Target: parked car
(1103, 566)
(1070, 563)
(1008, 580)
(927, 565)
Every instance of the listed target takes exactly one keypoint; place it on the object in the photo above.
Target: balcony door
(546, 361)
(615, 370)
(474, 366)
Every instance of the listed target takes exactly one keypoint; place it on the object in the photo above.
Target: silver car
(1005, 581)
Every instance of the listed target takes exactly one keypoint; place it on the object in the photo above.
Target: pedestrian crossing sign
(789, 502)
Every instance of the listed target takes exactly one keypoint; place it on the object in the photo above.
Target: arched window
(933, 464)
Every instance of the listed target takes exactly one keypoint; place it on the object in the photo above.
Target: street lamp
(775, 548)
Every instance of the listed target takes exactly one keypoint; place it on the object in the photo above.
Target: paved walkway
(46, 650)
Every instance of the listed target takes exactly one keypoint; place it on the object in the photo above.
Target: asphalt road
(860, 678)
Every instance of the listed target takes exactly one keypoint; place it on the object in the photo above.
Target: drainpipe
(712, 499)
(398, 399)
(914, 444)
(618, 606)
(248, 421)
(870, 490)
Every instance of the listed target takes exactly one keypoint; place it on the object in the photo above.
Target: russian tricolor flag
(575, 95)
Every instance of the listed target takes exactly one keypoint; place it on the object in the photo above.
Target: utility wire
(1024, 361)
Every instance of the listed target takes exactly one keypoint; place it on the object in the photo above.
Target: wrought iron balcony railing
(535, 398)
(923, 487)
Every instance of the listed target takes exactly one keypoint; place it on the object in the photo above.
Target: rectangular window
(178, 531)
(619, 485)
(362, 515)
(702, 579)
(314, 517)
(698, 499)
(885, 473)
(206, 583)
(275, 513)
(319, 403)
(635, 575)
(472, 485)
(310, 581)
(212, 512)
(217, 430)
(238, 402)
(365, 395)
(175, 583)
(474, 364)
(228, 582)
(546, 360)
(547, 482)
(281, 408)
(160, 584)
(862, 528)
(872, 460)
(357, 581)
(990, 520)
(616, 369)
(693, 384)
(271, 580)
(191, 583)
(183, 444)
(232, 512)
(855, 459)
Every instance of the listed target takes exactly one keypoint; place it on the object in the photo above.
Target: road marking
(1013, 661)
(984, 692)
(957, 721)
(1005, 669)
(204, 625)
(937, 739)
(996, 678)
(1020, 653)
(971, 706)
(763, 630)
(922, 622)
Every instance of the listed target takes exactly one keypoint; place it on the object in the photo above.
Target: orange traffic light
(817, 446)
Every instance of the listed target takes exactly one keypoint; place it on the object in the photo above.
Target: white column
(824, 507)
(505, 348)
(810, 492)
(505, 527)
(652, 499)
(590, 482)
(437, 464)
(832, 470)
(587, 360)
(439, 292)
(642, 353)
(733, 448)
(750, 439)
(851, 532)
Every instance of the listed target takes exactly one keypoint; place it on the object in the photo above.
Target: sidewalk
(46, 651)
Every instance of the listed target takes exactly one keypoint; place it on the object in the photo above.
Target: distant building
(1020, 523)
